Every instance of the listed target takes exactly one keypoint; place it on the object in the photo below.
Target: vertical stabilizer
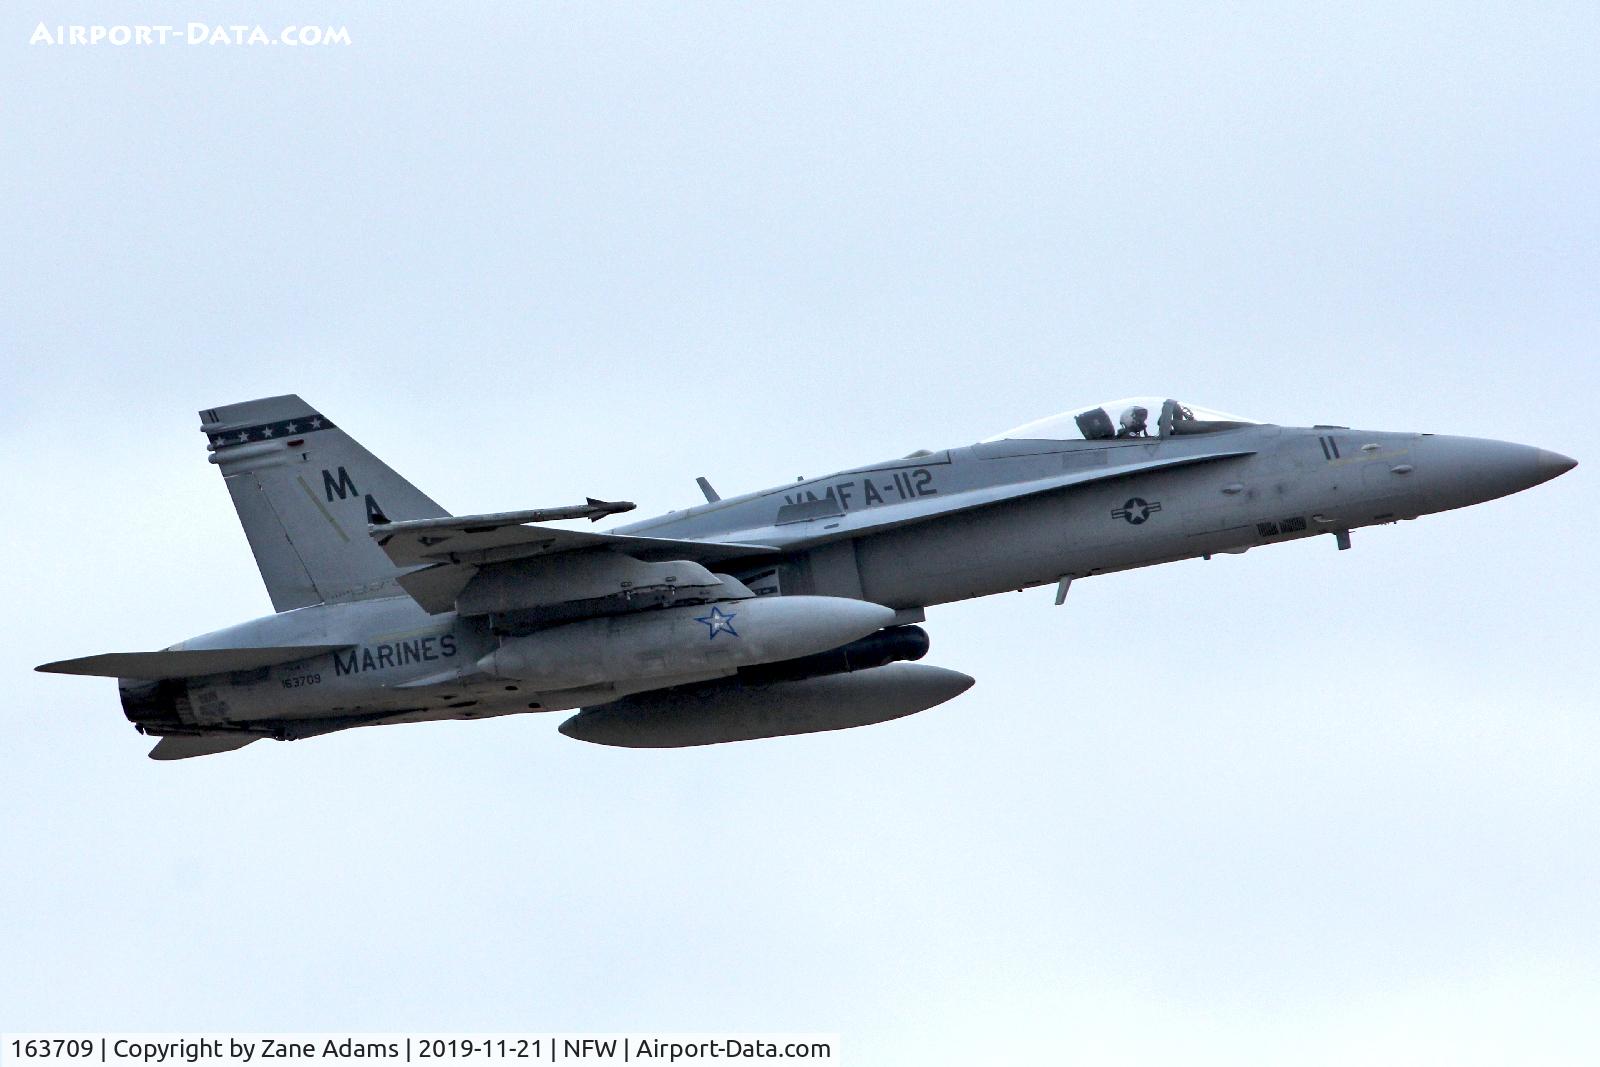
(305, 492)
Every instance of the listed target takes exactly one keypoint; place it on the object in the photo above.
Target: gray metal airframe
(785, 611)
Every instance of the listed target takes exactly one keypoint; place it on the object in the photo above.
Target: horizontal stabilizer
(184, 747)
(184, 663)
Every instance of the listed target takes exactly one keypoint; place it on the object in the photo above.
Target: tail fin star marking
(284, 428)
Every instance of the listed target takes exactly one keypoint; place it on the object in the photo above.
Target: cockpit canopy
(1134, 416)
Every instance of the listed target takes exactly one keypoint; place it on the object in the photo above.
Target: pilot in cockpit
(1134, 422)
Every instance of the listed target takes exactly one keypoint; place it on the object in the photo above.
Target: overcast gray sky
(1299, 805)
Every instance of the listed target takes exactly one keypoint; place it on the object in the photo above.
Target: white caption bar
(426, 1050)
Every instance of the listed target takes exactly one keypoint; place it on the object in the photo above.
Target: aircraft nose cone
(1554, 464)
(1470, 470)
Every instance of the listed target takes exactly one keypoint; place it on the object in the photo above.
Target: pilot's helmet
(1133, 420)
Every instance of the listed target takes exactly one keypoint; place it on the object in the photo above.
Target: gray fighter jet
(786, 611)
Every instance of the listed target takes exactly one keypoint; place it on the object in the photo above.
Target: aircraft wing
(483, 539)
(183, 663)
(823, 524)
(447, 553)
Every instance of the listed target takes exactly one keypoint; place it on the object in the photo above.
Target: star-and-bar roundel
(1137, 510)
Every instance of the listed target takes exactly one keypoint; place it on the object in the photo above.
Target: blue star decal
(718, 622)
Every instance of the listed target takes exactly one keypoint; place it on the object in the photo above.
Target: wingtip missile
(599, 509)
(591, 509)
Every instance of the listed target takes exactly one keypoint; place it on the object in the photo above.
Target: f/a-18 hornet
(785, 611)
